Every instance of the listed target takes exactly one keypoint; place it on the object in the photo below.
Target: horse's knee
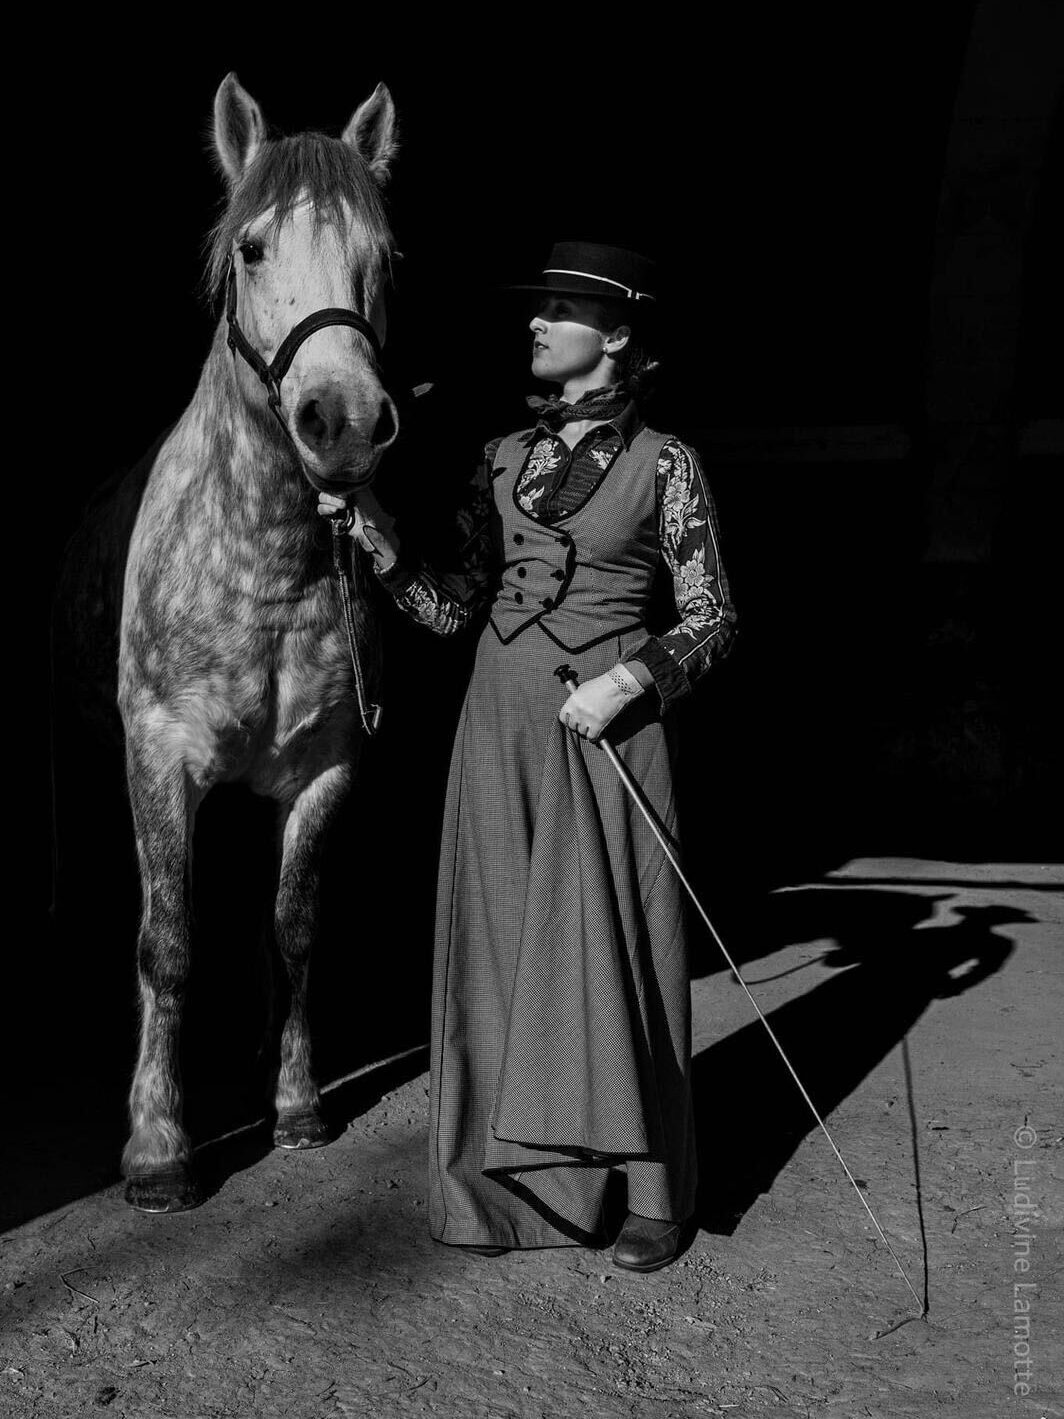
(162, 968)
(163, 942)
(295, 919)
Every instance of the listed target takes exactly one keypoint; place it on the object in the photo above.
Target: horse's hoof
(169, 1190)
(304, 1128)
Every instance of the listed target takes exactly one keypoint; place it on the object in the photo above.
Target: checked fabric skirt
(561, 1000)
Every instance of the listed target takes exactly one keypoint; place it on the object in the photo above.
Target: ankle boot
(646, 1244)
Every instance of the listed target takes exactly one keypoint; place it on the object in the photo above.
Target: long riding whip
(567, 676)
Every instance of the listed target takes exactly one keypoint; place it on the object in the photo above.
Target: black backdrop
(785, 171)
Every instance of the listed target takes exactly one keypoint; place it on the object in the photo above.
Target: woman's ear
(617, 340)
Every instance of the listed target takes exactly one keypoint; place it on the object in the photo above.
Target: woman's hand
(372, 528)
(592, 705)
(329, 504)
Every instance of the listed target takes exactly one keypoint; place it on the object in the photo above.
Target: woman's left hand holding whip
(592, 705)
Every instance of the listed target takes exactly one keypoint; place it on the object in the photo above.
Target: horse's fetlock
(296, 1086)
(154, 1146)
(296, 1092)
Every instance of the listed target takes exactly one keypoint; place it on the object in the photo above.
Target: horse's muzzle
(326, 427)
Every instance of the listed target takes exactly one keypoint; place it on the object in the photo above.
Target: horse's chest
(289, 686)
(307, 706)
(260, 707)
(308, 674)
(231, 660)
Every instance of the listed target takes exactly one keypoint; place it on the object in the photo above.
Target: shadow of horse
(750, 1116)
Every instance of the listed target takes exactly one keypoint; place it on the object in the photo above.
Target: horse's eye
(251, 251)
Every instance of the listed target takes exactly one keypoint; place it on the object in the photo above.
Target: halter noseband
(273, 373)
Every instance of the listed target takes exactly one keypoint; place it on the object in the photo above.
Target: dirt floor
(922, 999)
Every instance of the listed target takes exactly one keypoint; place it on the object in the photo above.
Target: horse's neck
(250, 481)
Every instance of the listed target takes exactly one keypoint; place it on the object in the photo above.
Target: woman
(561, 1005)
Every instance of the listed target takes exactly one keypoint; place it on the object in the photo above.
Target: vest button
(519, 537)
(522, 571)
(547, 602)
(558, 575)
(518, 597)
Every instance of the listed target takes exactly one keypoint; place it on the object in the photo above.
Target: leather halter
(271, 375)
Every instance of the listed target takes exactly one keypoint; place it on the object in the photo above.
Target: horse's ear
(373, 134)
(238, 127)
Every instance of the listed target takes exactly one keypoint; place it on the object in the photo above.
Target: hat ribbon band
(590, 276)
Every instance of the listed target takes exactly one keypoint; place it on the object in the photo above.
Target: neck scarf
(604, 403)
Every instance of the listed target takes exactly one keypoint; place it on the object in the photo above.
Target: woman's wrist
(383, 550)
(622, 677)
(374, 530)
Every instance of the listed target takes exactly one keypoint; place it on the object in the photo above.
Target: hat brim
(575, 287)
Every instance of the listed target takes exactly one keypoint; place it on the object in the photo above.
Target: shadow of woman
(750, 1116)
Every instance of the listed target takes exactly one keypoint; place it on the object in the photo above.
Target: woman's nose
(537, 325)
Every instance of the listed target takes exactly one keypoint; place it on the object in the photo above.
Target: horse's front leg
(157, 1158)
(299, 1119)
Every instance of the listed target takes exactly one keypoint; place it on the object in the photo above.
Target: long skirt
(561, 1016)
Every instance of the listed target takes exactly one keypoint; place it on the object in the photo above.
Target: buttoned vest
(588, 575)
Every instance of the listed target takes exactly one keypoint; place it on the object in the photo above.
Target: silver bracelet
(621, 683)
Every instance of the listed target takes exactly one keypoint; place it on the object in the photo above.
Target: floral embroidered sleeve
(690, 547)
(447, 599)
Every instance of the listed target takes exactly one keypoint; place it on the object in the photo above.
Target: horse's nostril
(311, 425)
(385, 428)
(321, 421)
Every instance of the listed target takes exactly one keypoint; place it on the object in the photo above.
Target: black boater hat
(585, 268)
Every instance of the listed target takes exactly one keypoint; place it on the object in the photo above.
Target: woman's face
(569, 336)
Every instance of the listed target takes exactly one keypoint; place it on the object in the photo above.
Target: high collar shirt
(558, 480)
(554, 482)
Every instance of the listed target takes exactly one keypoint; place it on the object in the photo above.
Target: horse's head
(305, 231)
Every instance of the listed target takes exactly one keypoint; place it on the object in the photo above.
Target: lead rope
(369, 714)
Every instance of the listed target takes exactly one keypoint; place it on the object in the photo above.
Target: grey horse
(233, 660)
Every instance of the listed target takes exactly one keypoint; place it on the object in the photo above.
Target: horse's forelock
(284, 172)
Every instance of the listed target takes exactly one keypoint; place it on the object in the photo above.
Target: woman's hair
(637, 364)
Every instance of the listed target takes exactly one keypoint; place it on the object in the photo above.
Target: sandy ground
(923, 1002)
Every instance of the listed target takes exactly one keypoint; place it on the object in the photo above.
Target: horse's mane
(284, 171)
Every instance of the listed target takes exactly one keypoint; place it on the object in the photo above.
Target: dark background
(859, 240)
